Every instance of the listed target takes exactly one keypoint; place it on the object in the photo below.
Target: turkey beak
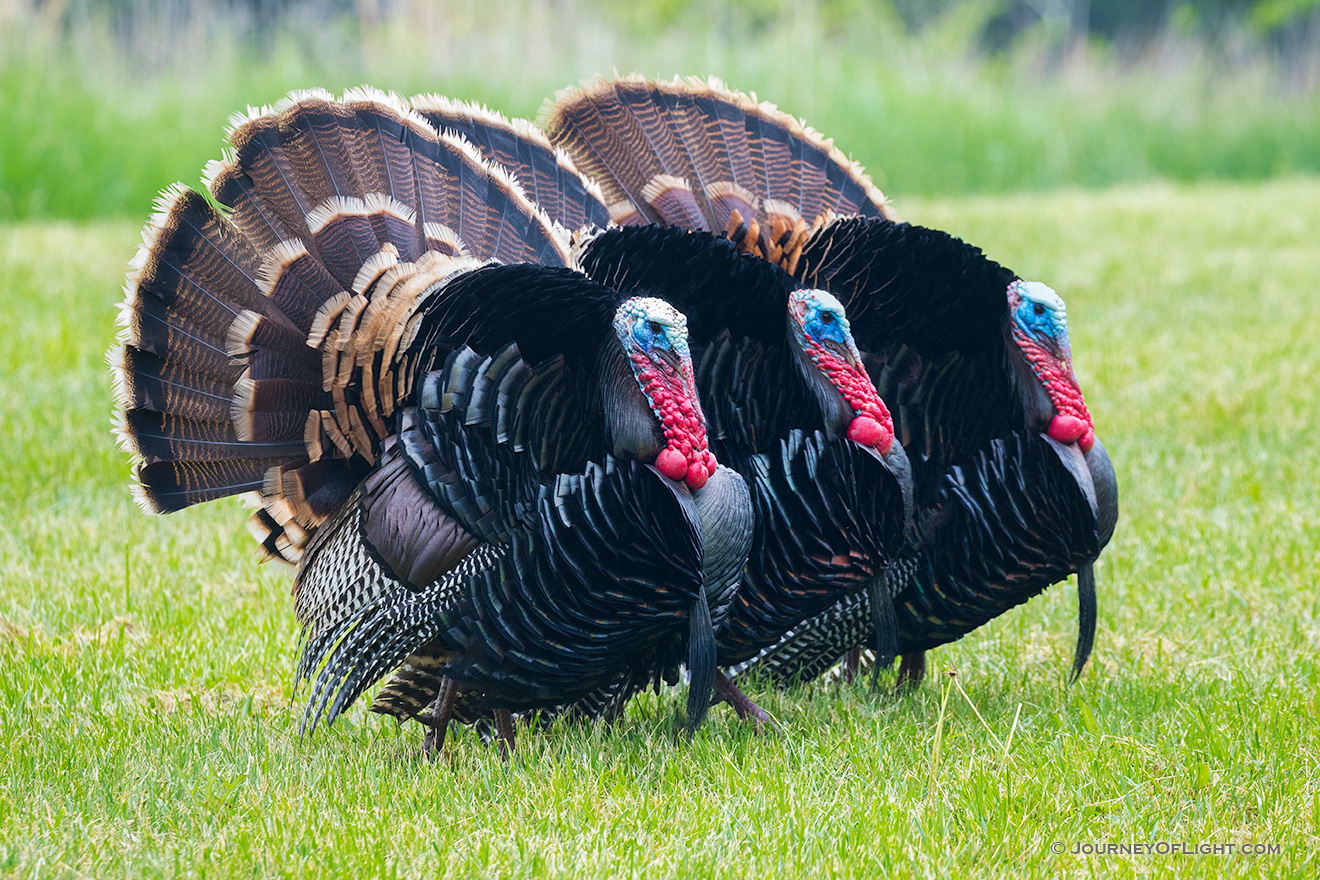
(845, 353)
(671, 359)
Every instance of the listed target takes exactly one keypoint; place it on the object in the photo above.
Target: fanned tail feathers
(546, 173)
(265, 348)
(693, 153)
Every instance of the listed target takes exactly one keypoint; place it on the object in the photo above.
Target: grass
(101, 113)
(145, 700)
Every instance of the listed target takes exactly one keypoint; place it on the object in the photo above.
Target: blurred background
(104, 102)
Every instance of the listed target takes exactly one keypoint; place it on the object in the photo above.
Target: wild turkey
(1013, 491)
(790, 405)
(469, 448)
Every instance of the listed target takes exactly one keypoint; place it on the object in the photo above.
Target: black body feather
(930, 315)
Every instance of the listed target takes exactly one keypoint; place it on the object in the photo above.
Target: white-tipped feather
(142, 499)
(238, 340)
(662, 183)
(277, 259)
(528, 130)
(124, 435)
(240, 409)
(522, 128)
(335, 206)
(582, 240)
(312, 436)
(392, 102)
(748, 102)
(376, 265)
(441, 232)
(126, 313)
(729, 189)
(300, 96)
(122, 382)
(141, 253)
(384, 203)
(239, 119)
(160, 213)
(212, 170)
(325, 318)
(620, 211)
(367, 94)
(272, 482)
(502, 177)
(435, 103)
(778, 206)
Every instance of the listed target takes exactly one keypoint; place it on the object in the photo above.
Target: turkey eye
(656, 328)
(1038, 309)
(827, 317)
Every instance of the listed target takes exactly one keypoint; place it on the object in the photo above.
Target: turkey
(470, 449)
(1013, 491)
(789, 402)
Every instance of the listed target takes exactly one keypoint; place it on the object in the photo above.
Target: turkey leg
(442, 710)
(911, 671)
(729, 692)
(504, 732)
(852, 661)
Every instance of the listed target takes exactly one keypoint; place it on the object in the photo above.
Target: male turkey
(789, 401)
(470, 449)
(1013, 491)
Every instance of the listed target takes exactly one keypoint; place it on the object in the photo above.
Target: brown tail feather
(633, 136)
(589, 131)
(152, 383)
(194, 269)
(546, 174)
(265, 350)
(385, 160)
(167, 486)
(248, 212)
(297, 282)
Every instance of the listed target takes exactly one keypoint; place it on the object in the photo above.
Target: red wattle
(672, 463)
(1087, 441)
(697, 476)
(865, 430)
(1069, 429)
(868, 432)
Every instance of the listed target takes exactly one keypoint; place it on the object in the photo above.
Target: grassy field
(146, 663)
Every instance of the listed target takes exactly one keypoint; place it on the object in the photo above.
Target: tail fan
(693, 153)
(547, 174)
(265, 347)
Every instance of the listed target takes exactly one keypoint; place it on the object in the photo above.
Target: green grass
(98, 118)
(144, 694)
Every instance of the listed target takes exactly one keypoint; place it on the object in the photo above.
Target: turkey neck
(1037, 407)
(630, 424)
(835, 412)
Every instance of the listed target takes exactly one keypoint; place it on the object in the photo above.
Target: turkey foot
(911, 671)
(727, 691)
(504, 732)
(442, 710)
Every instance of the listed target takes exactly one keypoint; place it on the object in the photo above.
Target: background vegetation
(104, 103)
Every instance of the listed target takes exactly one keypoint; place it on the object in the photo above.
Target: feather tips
(630, 133)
